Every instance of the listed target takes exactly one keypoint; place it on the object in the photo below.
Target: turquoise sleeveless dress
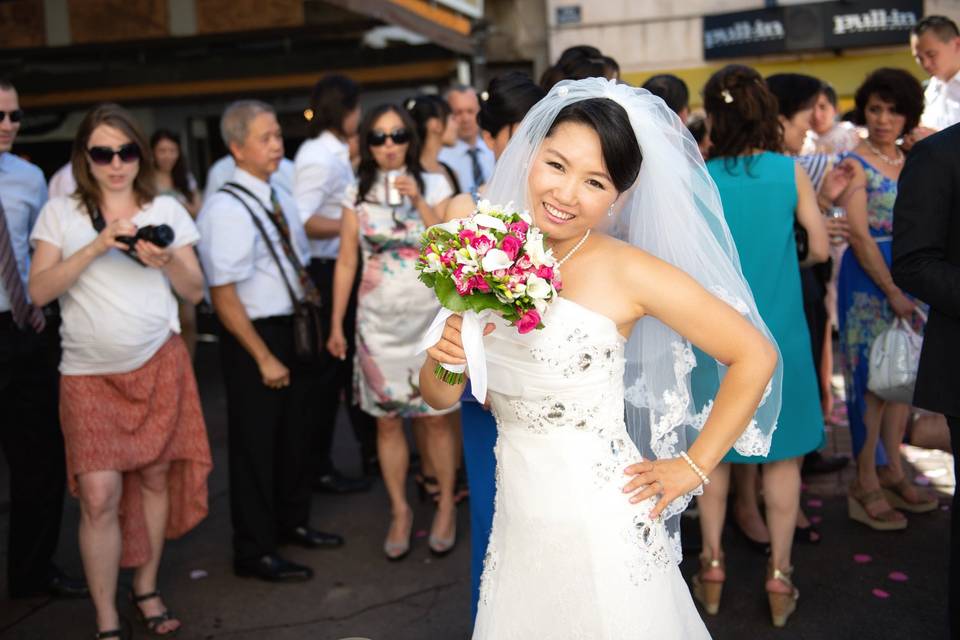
(759, 196)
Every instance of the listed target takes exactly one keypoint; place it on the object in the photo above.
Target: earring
(610, 211)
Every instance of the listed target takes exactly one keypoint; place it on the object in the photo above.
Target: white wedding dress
(569, 556)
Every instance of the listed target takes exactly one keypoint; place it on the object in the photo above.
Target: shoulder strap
(266, 239)
(289, 249)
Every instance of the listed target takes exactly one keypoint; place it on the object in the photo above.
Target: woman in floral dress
(384, 216)
(889, 103)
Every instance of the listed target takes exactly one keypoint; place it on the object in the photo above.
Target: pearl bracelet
(696, 469)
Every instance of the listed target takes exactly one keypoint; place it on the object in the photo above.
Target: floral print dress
(862, 308)
(394, 309)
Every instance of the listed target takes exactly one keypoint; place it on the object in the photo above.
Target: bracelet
(696, 469)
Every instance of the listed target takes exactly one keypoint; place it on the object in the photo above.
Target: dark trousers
(33, 445)
(954, 602)
(269, 438)
(337, 378)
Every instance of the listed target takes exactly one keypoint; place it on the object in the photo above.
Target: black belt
(274, 321)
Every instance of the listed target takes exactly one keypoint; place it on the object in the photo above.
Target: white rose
(533, 247)
(538, 288)
(483, 220)
(496, 259)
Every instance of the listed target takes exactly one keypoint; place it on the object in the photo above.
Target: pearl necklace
(574, 250)
(893, 163)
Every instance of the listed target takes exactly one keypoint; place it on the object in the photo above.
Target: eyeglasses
(379, 138)
(128, 153)
(15, 116)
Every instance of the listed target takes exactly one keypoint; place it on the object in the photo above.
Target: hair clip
(485, 96)
(411, 103)
(562, 91)
(727, 98)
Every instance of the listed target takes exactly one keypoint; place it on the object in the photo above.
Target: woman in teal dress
(763, 192)
(889, 103)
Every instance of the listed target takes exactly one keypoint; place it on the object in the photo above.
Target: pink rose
(477, 282)
(448, 257)
(545, 272)
(528, 321)
(524, 263)
(466, 236)
(464, 285)
(482, 244)
(500, 274)
(519, 229)
(511, 245)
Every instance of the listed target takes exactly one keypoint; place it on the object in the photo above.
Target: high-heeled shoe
(896, 495)
(782, 605)
(396, 551)
(886, 520)
(440, 547)
(708, 591)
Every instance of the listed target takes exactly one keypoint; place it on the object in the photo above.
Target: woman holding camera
(136, 445)
(384, 216)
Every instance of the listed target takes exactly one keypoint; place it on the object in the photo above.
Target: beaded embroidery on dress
(569, 557)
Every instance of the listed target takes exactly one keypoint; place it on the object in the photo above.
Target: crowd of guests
(101, 282)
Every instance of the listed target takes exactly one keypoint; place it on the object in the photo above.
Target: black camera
(161, 235)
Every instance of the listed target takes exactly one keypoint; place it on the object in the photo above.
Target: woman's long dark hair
(507, 100)
(367, 171)
(743, 113)
(179, 171)
(425, 107)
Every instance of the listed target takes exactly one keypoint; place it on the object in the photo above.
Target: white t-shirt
(118, 313)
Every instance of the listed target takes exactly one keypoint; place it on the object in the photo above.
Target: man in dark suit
(926, 263)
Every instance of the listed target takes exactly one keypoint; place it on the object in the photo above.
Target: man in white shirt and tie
(470, 158)
(935, 43)
(323, 174)
(269, 404)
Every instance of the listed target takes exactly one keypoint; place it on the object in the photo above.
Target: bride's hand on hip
(450, 348)
(670, 479)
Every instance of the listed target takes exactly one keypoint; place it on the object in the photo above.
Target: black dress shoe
(272, 568)
(334, 482)
(58, 585)
(312, 539)
(816, 463)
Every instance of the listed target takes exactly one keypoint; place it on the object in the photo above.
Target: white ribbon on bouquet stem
(471, 334)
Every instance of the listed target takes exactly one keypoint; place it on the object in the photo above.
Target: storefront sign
(569, 14)
(806, 27)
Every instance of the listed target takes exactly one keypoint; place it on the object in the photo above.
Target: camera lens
(161, 235)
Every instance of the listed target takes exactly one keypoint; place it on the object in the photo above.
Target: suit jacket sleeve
(921, 221)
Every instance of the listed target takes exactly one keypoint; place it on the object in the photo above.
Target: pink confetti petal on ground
(898, 576)
(815, 503)
(880, 593)
(816, 519)
(422, 533)
(923, 481)
(862, 558)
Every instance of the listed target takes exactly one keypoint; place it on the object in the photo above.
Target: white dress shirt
(118, 313)
(458, 158)
(23, 192)
(221, 172)
(232, 250)
(62, 183)
(942, 103)
(322, 175)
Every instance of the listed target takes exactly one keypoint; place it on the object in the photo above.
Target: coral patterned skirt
(129, 421)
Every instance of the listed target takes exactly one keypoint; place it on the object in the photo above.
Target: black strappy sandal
(112, 633)
(151, 623)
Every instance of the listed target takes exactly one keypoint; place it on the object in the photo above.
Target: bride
(594, 410)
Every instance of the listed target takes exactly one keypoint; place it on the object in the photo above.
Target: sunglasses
(15, 116)
(379, 138)
(128, 153)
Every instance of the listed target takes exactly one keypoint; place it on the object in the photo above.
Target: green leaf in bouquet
(483, 301)
(447, 294)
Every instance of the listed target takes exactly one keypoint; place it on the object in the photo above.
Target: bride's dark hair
(621, 153)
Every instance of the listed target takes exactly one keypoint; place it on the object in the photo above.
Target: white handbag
(894, 359)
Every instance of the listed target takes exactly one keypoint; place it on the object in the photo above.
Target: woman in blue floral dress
(384, 217)
(889, 103)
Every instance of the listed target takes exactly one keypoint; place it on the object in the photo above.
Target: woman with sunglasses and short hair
(136, 444)
(384, 216)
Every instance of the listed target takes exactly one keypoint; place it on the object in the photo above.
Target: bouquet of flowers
(494, 261)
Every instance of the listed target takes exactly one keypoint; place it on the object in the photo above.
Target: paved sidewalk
(357, 593)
